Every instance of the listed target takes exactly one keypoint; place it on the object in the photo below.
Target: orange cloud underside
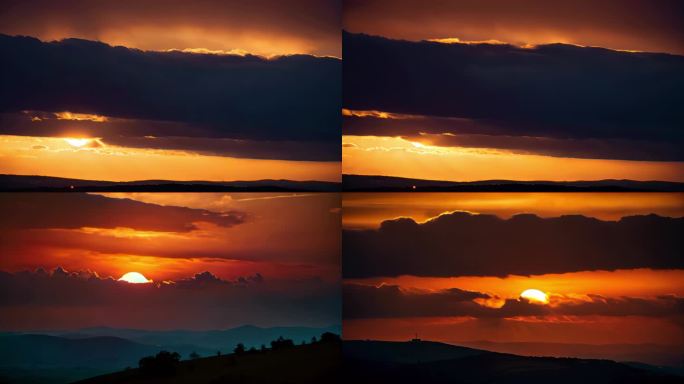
(393, 156)
(368, 210)
(633, 283)
(56, 157)
(269, 242)
(561, 288)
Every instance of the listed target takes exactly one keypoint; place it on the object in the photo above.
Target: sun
(535, 296)
(78, 143)
(134, 278)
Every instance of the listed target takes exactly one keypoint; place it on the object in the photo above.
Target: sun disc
(535, 296)
(78, 143)
(134, 278)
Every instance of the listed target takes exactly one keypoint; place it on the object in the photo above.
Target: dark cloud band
(390, 301)
(552, 91)
(463, 244)
(241, 97)
(73, 211)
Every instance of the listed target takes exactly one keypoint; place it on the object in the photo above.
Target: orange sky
(262, 27)
(262, 259)
(561, 288)
(630, 282)
(393, 156)
(267, 242)
(635, 25)
(25, 155)
(368, 210)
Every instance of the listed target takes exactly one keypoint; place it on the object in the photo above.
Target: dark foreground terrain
(430, 362)
(362, 183)
(312, 363)
(20, 183)
(62, 357)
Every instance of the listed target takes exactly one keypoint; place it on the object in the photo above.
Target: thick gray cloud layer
(285, 99)
(560, 92)
(463, 244)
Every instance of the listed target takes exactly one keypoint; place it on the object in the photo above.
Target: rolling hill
(431, 362)
(362, 183)
(20, 183)
(311, 363)
(66, 356)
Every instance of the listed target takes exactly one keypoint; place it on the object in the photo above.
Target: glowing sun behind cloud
(78, 143)
(134, 278)
(535, 296)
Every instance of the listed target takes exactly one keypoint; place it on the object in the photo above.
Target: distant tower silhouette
(416, 339)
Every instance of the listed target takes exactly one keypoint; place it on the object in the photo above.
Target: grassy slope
(312, 363)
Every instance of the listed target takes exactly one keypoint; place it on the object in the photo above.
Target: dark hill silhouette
(362, 183)
(402, 352)
(62, 357)
(20, 183)
(430, 362)
(318, 362)
(654, 354)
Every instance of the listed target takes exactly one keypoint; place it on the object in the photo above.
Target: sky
(527, 90)
(212, 90)
(453, 267)
(215, 260)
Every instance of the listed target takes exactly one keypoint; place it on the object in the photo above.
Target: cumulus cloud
(74, 299)
(555, 91)
(206, 278)
(464, 244)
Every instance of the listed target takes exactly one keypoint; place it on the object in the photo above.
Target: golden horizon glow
(57, 157)
(642, 282)
(456, 40)
(395, 156)
(66, 115)
(134, 278)
(535, 296)
(374, 113)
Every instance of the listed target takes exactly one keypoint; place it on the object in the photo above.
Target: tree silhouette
(239, 349)
(329, 337)
(163, 364)
(281, 343)
(314, 340)
(194, 355)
